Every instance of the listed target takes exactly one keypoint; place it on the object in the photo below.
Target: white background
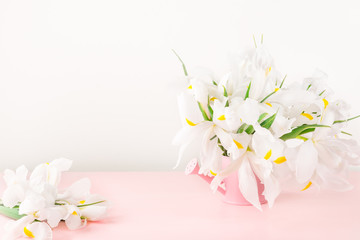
(96, 81)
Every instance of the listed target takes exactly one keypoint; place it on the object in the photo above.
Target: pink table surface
(170, 205)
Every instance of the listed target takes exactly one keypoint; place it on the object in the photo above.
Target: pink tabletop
(170, 205)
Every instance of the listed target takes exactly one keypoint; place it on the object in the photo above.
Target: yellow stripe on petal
(308, 116)
(190, 122)
(213, 98)
(267, 71)
(190, 87)
(307, 186)
(239, 146)
(221, 118)
(74, 213)
(28, 233)
(280, 160)
(326, 103)
(82, 202)
(214, 174)
(269, 104)
(268, 155)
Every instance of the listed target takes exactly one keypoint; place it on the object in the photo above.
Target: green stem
(346, 120)
(90, 204)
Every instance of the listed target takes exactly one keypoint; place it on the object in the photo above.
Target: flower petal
(306, 161)
(248, 184)
(271, 190)
(38, 231)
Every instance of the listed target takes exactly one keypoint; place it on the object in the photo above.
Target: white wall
(95, 81)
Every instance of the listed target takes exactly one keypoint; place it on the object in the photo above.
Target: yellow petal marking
(213, 98)
(28, 233)
(74, 213)
(267, 71)
(47, 163)
(213, 173)
(268, 155)
(190, 87)
(307, 186)
(239, 146)
(82, 202)
(269, 104)
(276, 89)
(190, 122)
(221, 118)
(280, 160)
(308, 116)
(326, 103)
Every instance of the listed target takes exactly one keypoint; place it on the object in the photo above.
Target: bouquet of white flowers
(269, 129)
(37, 205)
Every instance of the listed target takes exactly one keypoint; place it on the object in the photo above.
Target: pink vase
(231, 193)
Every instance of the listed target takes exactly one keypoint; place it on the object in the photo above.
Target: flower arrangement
(37, 205)
(270, 129)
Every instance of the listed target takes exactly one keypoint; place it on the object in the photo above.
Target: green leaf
(250, 130)
(213, 137)
(247, 91)
(242, 128)
(262, 116)
(346, 133)
(214, 83)
(308, 87)
(227, 103)
(307, 131)
(211, 111)
(299, 130)
(10, 212)
(283, 81)
(268, 122)
(205, 116)
(225, 92)
(346, 120)
(183, 64)
(322, 92)
(267, 96)
(254, 41)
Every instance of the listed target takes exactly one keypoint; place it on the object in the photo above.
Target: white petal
(232, 167)
(9, 177)
(74, 222)
(21, 173)
(40, 231)
(271, 190)
(331, 180)
(306, 162)
(225, 138)
(53, 215)
(32, 203)
(13, 195)
(249, 111)
(94, 212)
(14, 229)
(248, 184)
(61, 164)
(79, 190)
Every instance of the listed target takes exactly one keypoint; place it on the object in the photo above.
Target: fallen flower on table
(37, 206)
